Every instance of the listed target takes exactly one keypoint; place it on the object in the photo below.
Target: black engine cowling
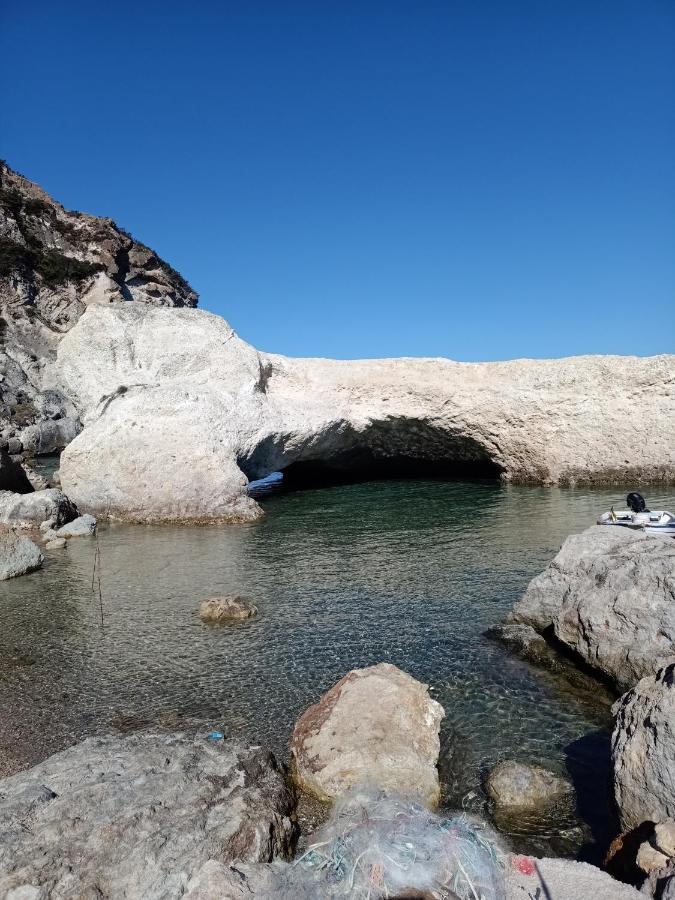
(636, 502)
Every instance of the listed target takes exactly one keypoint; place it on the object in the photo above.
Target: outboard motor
(636, 502)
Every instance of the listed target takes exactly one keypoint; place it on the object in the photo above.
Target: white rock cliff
(179, 412)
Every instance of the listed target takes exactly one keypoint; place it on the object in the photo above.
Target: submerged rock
(227, 609)
(31, 510)
(82, 526)
(57, 543)
(377, 725)
(18, 555)
(139, 816)
(643, 750)
(609, 596)
(512, 784)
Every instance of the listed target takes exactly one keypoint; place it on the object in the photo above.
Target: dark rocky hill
(53, 264)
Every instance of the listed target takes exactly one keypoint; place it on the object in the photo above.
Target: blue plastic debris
(216, 736)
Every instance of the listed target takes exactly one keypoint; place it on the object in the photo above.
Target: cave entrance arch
(397, 448)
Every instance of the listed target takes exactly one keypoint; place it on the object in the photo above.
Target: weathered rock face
(609, 595)
(377, 725)
(227, 609)
(138, 817)
(179, 412)
(31, 510)
(514, 785)
(643, 750)
(18, 555)
(53, 264)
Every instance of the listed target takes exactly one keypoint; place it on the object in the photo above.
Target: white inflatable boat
(638, 517)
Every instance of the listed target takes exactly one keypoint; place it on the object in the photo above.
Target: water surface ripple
(410, 572)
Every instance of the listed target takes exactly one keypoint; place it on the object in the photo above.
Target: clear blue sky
(472, 179)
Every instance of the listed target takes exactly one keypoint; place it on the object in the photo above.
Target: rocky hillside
(53, 264)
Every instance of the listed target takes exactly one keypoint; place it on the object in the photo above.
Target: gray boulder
(609, 595)
(18, 555)
(511, 784)
(56, 544)
(377, 725)
(31, 510)
(139, 816)
(643, 750)
(82, 526)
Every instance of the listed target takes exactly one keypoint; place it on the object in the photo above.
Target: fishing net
(376, 846)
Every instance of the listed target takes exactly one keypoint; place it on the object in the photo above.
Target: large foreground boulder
(643, 750)
(138, 816)
(18, 555)
(377, 725)
(609, 595)
(31, 510)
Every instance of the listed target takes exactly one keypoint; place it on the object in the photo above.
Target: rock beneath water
(511, 784)
(377, 725)
(12, 476)
(56, 544)
(643, 750)
(139, 816)
(30, 510)
(563, 879)
(81, 526)
(18, 555)
(609, 595)
(227, 609)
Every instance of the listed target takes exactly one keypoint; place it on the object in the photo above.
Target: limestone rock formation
(138, 816)
(53, 264)
(31, 510)
(609, 595)
(18, 555)
(376, 725)
(643, 750)
(179, 413)
(227, 609)
(512, 784)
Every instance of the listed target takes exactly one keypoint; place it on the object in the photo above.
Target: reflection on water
(411, 572)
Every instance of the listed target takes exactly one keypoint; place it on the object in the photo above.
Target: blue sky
(472, 179)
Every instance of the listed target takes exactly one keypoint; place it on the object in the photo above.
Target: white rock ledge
(179, 412)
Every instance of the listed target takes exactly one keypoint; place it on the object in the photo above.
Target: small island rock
(376, 725)
(518, 785)
(227, 609)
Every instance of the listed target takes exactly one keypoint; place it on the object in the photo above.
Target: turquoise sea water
(410, 572)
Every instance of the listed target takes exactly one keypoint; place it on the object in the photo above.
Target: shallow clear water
(410, 572)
